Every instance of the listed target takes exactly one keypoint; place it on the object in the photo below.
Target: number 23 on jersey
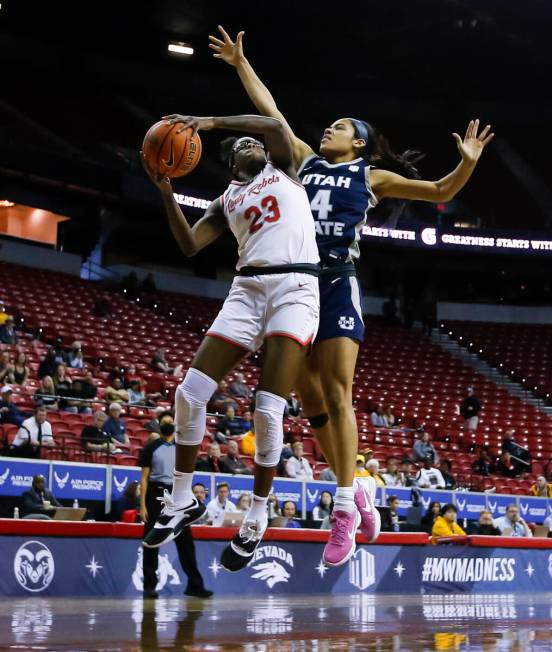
(269, 212)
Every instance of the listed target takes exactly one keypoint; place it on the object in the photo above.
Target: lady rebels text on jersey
(272, 222)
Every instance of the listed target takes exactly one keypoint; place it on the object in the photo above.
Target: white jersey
(271, 219)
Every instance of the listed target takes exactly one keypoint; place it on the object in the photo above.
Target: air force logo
(34, 566)
(461, 503)
(312, 495)
(4, 476)
(61, 481)
(121, 486)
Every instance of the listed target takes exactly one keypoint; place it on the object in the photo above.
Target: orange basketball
(171, 154)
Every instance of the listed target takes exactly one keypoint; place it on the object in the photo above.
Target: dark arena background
(101, 312)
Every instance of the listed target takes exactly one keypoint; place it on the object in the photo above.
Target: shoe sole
(351, 551)
(172, 536)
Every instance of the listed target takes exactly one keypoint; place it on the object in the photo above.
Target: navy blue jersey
(340, 197)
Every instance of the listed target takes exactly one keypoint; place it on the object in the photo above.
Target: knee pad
(191, 398)
(318, 420)
(269, 430)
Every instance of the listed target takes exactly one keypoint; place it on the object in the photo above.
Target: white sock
(182, 487)
(258, 509)
(344, 500)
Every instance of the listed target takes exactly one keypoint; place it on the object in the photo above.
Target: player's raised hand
(226, 49)
(190, 121)
(157, 179)
(472, 146)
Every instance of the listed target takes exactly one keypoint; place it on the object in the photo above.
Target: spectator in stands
(136, 396)
(212, 462)
(485, 525)
(115, 392)
(95, 439)
(327, 475)
(221, 399)
(285, 454)
(368, 454)
(48, 364)
(506, 466)
(9, 412)
(272, 507)
(372, 466)
(244, 503)
(217, 507)
(423, 448)
(75, 358)
(393, 503)
(512, 524)
(38, 500)
(298, 466)
(389, 417)
(521, 457)
(450, 480)
(470, 409)
(445, 524)
(392, 476)
(324, 508)
(293, 407)
(231, 462)
(129, 500)
(114, 426)
(7, 332)
(240, 389)
(59, 353)
(89, 388)
(377, 417)
(247, 420)
(289, 511)
(429, 477)
(34, 433)
(76, 399)
(20, 370)
(62, 382)
(200, 491)
(6, 368)
(432, 512)
(160, 365)
(247, 442)
(154, 424)
(484, 464)
(230, 425)
(541, 488)
(360, 471)
(46, 394)
(406, 473)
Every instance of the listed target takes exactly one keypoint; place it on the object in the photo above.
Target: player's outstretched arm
(232, 53)
(190, 239)
(389, 184)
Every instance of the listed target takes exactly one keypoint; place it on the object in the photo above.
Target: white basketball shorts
(268, 305)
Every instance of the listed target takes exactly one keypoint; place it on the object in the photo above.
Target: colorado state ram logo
(33, 566)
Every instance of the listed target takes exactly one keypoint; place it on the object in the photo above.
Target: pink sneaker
(341, 545)
(365, 500)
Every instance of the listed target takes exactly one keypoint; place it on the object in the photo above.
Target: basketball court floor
(382, 623)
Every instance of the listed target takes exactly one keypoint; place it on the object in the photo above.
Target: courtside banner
(86, 481)
(16, 475)
(121, 478)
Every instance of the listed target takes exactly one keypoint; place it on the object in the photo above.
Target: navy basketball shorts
(340, 308)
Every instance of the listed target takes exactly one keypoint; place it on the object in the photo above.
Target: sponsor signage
(17, 476)
(469, 505)
(314, 491)
(289, 490)
(498, 504)
(86, 481)
(121, 478)
(239, 484)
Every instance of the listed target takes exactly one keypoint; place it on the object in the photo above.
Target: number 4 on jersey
(321, 204)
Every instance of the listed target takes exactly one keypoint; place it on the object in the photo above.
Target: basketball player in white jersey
(273, 299)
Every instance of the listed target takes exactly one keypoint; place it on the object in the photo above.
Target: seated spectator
(470, 409)
(450, 480)
(114, 426)
(76, 400)
(298, 466)
(20, 370)
(273, 507)
(324, 508)
(445, 524)
(240, 389)
(246, 420)
(289, 511)
(360, 471)
(485, 525)
(521, 457)
(428, 519)
(136, 395)
(33, 433)
(62, 382)
(9, 412)
(217, 507)
(221, 399)
(429, 477)
(484, 464)
(541, 488)
(389, 417)
(6, 368)
(372, 466)
(392, 476)
(231, 463)
(247, 443)
(75, 358)
(7, 332)
(393, 503)
(46, 394)
(115, 392)
(230, 425)
(48, 364)
(59, 354)
(406, 473)
(327, 475)
(293, 407)
(506, 466)
(285, 454)
(212, 461)
(377, 417)
(368, 454)
(244, 503)
(95, 439)
(129, 500)
(423, 448)
(160, 365)
(89, 389)
(154, 424)
(38, 500)
(511, 524)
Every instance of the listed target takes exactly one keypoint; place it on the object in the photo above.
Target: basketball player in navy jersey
(354, 170)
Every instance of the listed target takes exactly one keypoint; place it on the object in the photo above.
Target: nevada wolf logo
(271, 572)
(61, 482)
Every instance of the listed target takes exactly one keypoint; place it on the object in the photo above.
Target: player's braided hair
(226, 154)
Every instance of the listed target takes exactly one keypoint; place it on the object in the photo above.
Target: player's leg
(283, 359)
